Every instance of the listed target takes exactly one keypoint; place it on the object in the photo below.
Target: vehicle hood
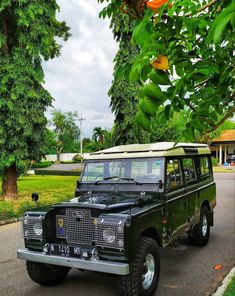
(113, 202)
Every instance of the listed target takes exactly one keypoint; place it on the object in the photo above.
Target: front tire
(199, 234)
(144, 270)
(46, 274)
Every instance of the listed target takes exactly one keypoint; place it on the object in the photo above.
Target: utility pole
(81, 119)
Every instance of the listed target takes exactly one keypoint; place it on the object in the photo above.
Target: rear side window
(204, 166)
(173, 174)
(189, 170)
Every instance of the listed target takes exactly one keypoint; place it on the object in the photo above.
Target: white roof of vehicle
(150, 150)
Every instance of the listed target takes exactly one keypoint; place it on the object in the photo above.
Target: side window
(189, 170)
(204, 166)
(173, 174)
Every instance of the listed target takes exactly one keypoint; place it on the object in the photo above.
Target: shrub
(77, 158)
(23, 207)
(42, 164)
(57, 173)
(6, 210)
(214, 161)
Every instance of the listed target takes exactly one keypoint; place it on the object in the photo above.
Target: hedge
(57, 173)
(43, 164)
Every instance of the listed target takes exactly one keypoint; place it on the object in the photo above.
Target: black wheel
(45, 274)
(199, 234)
(144, 270)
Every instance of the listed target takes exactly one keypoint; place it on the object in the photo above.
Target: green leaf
(167, 111)
(143, 120)
(147, 106)
(227, 14)
(153, 92)
(159, 77)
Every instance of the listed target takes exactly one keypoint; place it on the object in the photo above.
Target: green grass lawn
(230, 291)
(222, 169)
(51, 189)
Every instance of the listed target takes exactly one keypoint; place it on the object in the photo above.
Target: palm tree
(99, 136)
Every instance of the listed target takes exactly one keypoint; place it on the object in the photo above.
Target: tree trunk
(9, 182)
(58, 153)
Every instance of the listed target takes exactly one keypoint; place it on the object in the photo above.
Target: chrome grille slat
(81, 228)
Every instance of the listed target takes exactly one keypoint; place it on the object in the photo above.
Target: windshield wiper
(106, 179)
(130, 179)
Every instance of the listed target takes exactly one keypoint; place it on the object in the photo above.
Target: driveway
(63, 167)
(185, 270)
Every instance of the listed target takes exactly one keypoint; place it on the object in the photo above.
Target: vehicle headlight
(110, 231)
(37, 228)
(109, 235)
(32, 226)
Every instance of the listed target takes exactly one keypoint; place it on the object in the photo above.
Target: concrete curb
(13, 220)
(220, 291)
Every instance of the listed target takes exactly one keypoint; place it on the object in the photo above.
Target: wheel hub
(148, 271)
(204, 225)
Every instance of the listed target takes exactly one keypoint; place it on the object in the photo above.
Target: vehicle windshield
(144, 170)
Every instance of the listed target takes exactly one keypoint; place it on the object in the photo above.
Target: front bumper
(93, 265)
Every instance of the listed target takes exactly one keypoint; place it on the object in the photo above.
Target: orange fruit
(160, 63)
(155, 4)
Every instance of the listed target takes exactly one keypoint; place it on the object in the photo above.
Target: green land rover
(130, 201)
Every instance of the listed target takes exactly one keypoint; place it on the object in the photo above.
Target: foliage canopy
(185, 61)
(66, 131)
(28, 34)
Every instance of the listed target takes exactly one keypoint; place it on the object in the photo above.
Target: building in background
(224, 145)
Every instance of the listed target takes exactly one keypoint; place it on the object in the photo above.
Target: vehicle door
(191, 186)
(175, 196)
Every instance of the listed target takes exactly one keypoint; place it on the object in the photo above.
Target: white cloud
(81, 77)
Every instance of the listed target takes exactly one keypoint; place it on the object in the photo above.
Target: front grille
(79, 227)
(28, 227)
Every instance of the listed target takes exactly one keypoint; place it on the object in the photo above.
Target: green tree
(29, 32)
(185, 63)
(98, 135)
(123, 94)
(66, 130)
(50, 142)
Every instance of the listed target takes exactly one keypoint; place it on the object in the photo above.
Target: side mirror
(35, 197)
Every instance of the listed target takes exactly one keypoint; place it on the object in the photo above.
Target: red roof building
(224, 145)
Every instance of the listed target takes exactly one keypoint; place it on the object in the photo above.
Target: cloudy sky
(81, 77)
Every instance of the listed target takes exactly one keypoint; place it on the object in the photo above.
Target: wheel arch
(207, 204)
(152, 233)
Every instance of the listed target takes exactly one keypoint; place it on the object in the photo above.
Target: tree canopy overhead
(28, 34)
(185, 60)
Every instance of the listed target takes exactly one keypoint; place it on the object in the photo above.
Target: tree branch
(207, 5)
(201, 83)
(229, 114)
(207, 120)
(204, 7)
(189, 105)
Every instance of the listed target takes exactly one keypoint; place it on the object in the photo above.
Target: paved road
(63, 167)
(183, 273)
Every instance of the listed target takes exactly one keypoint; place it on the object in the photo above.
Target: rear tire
(199, 234)
(144, 270)
(46, 274)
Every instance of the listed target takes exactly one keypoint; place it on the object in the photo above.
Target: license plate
(65, 251)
